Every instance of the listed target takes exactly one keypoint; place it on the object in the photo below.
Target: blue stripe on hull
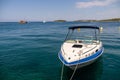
(92, 57)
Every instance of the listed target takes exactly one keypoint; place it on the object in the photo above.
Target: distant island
(113, 19)
(60, 21)
(104, 20)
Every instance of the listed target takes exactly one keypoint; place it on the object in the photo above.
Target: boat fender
(101, 29)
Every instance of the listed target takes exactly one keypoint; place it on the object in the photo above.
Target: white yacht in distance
(81, 47)
(44, 21)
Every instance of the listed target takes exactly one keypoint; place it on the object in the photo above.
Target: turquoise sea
(30, 52)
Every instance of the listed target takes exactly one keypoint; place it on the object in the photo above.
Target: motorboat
(82, 46)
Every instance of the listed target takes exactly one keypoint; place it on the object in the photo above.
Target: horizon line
(59, 19)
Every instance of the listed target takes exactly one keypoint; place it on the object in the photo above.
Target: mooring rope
(62, 72)
(74, 72)
(76, 67)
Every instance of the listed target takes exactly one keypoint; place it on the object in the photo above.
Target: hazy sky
(38, 10)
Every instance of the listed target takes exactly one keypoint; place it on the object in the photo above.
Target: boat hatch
(77, 46)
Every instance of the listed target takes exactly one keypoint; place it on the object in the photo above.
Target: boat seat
(70, 41)
(78, 41)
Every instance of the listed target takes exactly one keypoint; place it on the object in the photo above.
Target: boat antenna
(100, 31)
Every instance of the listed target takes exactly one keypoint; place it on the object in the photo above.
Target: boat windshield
(83, 34)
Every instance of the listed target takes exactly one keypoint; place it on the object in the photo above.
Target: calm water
(29, 52)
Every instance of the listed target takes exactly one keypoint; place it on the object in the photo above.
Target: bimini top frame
(90, 27)
(71, 30)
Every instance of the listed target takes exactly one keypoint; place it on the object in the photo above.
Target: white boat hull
(82, 64)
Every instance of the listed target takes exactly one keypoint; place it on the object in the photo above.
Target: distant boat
(80, 50)
(44, 21)
(23, 22)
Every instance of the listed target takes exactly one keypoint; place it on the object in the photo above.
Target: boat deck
(73, 50)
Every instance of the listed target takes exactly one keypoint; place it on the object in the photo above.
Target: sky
(49, 10)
